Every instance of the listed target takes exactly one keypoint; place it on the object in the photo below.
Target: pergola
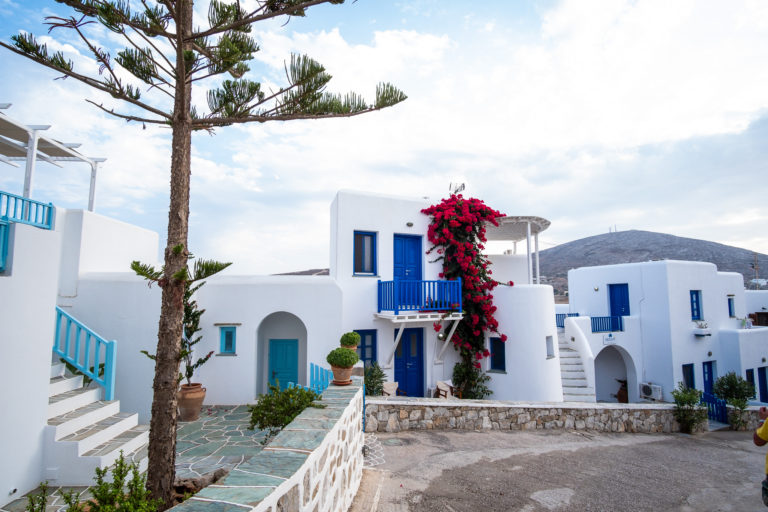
(516, 228)
(25, 143)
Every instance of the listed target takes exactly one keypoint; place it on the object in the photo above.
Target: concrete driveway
(457, 471)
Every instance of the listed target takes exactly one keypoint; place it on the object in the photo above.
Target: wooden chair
(446, 389)
(391, 389)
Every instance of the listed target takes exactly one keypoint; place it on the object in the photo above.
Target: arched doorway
(281, 351)
(613, 362)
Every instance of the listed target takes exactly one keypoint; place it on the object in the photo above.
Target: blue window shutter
(227, 340)
(731, 307)
(367, 348)
(696, 305)
(498, 355)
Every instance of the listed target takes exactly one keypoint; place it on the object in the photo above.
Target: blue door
(619, 299)
(762, 384)
(407, 257)
(709, 375)
(409, 362)
(283, 362)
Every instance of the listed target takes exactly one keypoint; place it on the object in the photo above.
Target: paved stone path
(219, 438)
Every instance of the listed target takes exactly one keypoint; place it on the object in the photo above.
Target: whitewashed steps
(69, 401)
(573, 376)
(72, 421)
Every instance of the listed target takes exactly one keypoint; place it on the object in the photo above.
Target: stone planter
(342, 376)
(190, 400)
(701, 332)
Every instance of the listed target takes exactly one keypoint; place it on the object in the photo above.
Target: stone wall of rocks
(395, 414)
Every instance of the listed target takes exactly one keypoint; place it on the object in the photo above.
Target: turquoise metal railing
(607, 323)
(560, 318)
(26, 211)
(319, 379)
(716, 407)
(87, 351)
(3, 244)
(411, 295)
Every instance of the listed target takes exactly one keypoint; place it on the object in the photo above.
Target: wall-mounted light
(763, 359)
(441, 336)
(409, 224)
(597, 288)
(709, 354)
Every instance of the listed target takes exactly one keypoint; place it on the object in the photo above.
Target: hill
(634, 246)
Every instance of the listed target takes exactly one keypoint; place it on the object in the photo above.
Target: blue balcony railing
(410, 295)
(3, 244)
(560, 318)
(15, 208)
(91, 354)
(607, 323)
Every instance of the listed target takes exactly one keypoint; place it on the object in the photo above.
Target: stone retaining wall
(315, 464)
(395, 414)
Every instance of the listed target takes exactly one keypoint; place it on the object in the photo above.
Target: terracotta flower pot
(341, 376)
(190, 400)
(353, 349)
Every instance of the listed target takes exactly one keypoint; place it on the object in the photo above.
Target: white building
(661, 323)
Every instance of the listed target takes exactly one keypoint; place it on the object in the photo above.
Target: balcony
(607, 323)
(419, 296)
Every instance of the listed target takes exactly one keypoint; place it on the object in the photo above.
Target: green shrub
(342, 358)
(688, 411)
(736, 391)
(38, 500)
(278, 408)
(374, 380)
(350, 339)
(471, 381)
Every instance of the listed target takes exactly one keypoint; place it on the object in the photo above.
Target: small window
(731, 307)
(367, 348)
(365, 253)
(227, 339)
(498, 355)
(751, 380)
(696, 313)
(688, 380)
(550, 347)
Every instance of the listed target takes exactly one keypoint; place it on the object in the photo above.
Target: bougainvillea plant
(457, 234)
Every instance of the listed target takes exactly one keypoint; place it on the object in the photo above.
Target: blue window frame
(364, 253)
(367, 348)
(696, 305)
(228, 339)
(688, 379)
(498, 355)
(731, 307)
(751, 380)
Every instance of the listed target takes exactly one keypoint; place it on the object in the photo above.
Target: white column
(536, 245)
(31, 157)
(528, 247)
(515, 247)
(92, 190)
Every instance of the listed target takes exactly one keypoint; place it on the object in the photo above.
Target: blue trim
(751, 379)
(619, 299)
(227, 346)
(710, 373)
(607, 323)
(716, 407)
(15, 208)
(731, 307)
(696, 305)
(560, 318)
(498, 355)
(367, 341)
(4, 229)
(689, 379)
(359, 259)
(412, 295)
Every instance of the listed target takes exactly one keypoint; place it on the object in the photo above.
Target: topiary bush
(736, 391)
(374, 380)
(350, 339)
(688, 411)
(342, 358)
(278, 408)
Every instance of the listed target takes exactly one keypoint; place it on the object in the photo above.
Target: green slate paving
(241, 495)
(193, 505)
(310, 423)
(299, 439)
(204, 449)
(328, 413)
(275, 463)
(238, 477)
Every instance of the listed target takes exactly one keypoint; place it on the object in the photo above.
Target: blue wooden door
(762, 384)
(407, 257)
(619, 299)
(709, 375)
(409, 362)
(283, 362)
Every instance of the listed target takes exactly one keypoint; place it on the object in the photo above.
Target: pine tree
(166, 51)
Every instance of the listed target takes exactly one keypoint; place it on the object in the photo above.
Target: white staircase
(85, 432)
(572, 373)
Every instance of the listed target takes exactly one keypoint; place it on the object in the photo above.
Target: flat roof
(515, 228)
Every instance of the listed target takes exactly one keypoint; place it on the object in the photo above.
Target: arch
(279, 325)
(614, 362)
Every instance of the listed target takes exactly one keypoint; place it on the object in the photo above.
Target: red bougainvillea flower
(436, 326)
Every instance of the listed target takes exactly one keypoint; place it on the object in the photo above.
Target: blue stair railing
(319, 379)
(560, 318)
(716, 407)
(607, 323)
(414, 295)
(19, 209)
(87, 351)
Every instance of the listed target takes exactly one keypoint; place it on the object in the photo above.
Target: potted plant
(342, 360)
(350, 340)
(192, 394)
(701, 330)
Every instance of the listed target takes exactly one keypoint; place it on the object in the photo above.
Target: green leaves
(233, 98)
(139, 63)
(27, 44)
(146, 271)
(388, 95)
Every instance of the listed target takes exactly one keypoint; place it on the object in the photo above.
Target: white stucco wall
(755, 300)
(27, 312)
(743, 349)
(509, 267)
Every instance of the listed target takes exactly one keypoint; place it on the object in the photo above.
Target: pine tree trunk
(162, 433)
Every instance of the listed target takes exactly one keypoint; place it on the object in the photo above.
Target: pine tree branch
(126, 116)
(207, 123)
(96, 84)
(90, 9)
(172, 71)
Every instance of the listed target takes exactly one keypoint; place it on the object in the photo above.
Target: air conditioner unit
(651, 391)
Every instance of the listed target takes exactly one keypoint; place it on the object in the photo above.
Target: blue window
(228, 339)
(751, 380)
(688, 380)
(367, 348)
(365, 253)
(731, 307)
(498, 355)
(696, 305)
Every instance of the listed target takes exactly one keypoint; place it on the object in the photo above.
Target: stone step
(57, 369)
(576, 374)
(579, 398)
(569, 354)
(101, 432)
(63, 383)
(127, 441)
(71, 400)
(75, 420)
(571, 363)
(578, 390)
(574, 382)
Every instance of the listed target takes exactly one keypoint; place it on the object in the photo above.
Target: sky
(595, 115)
